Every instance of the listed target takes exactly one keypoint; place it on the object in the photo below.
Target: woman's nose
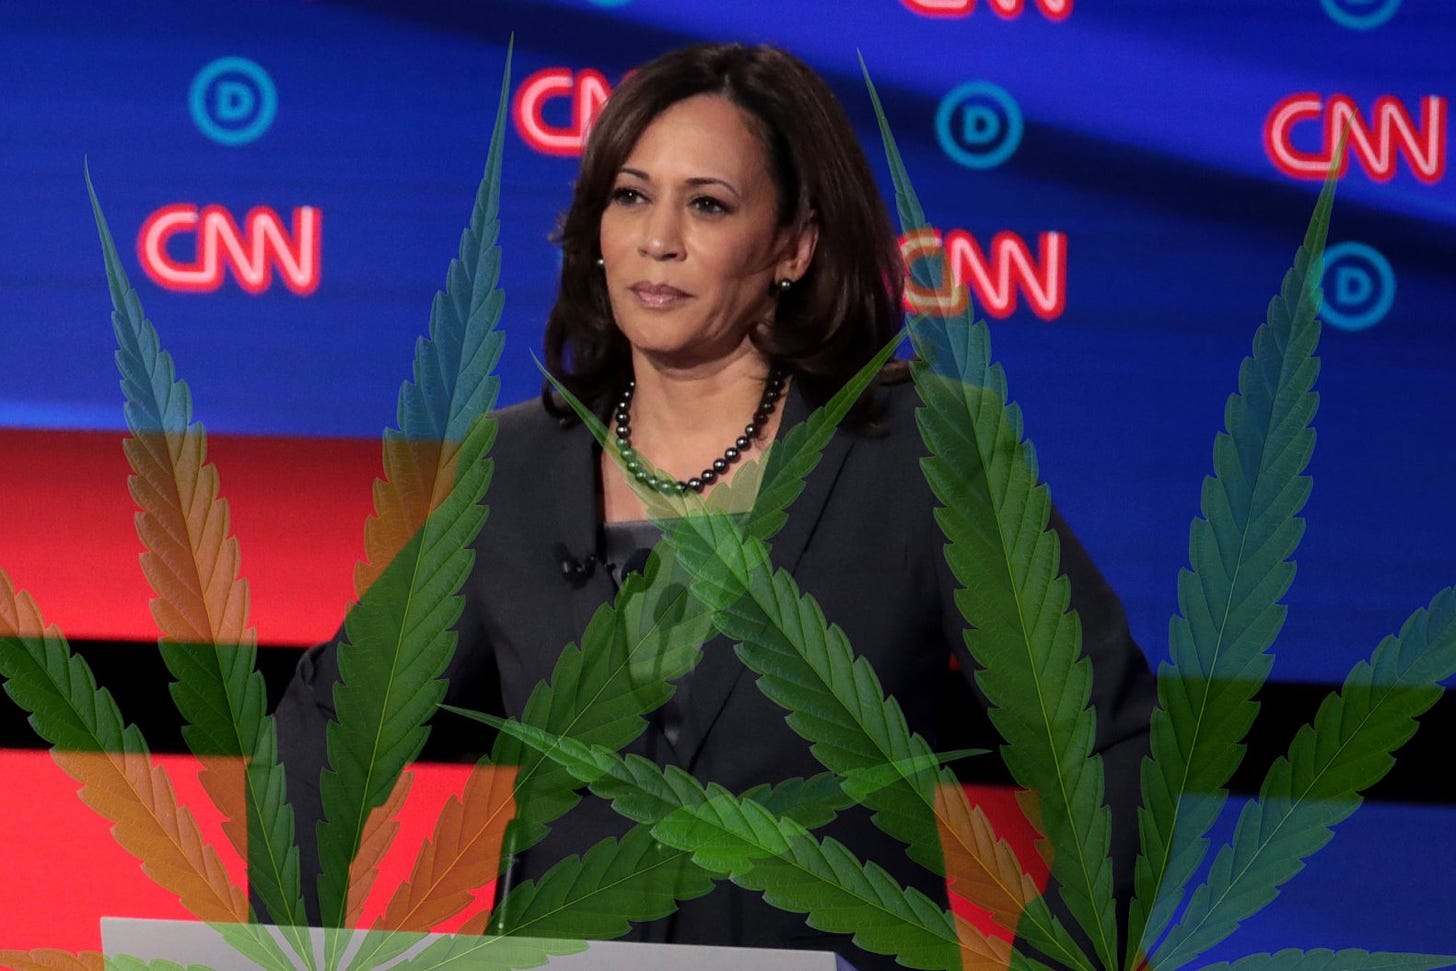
(662, 234)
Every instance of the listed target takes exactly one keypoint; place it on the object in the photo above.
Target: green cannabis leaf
(111, 761)
(634, 648)
(90, 740)
(579, 898)
(123, 962)
(995, 516)
(399, 639)
(790, 460)
(760, 850)
(833, 700)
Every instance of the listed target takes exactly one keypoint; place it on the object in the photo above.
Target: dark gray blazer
(861, 539)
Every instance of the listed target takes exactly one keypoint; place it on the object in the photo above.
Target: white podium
(191, 943)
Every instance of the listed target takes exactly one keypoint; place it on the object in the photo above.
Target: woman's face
(689, 238)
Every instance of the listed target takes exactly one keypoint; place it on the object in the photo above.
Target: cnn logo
(582, 93)
(251, 252)
(998, 275)
(1006, 9)
(1377, 144)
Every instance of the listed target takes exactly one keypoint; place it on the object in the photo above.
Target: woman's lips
(658, 295)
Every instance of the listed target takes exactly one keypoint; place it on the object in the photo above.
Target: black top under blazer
(861, 539)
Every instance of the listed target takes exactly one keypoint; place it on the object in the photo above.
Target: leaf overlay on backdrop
(713, 572)
(399, 638)
(192, 564)
(109, 759)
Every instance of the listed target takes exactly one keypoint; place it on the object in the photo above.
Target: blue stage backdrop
(1120, 183)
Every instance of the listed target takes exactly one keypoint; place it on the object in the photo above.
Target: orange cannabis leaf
(50, 959)
(136, 794)
(462, 855)
(191, 560)
(374, 842)
(129, 789)
(980, 951)
(418, 475)
(979, 867)
(192, 564)
(477, 924)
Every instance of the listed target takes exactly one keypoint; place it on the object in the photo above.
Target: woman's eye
(626, 196)
(709, 206)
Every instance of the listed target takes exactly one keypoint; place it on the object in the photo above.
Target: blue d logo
(232, 100)
(978, 124)
(1360, 14)
(1359, 286)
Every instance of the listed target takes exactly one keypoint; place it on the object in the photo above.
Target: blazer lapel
(574, 539)
(720, 672)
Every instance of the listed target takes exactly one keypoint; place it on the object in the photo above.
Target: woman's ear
(798, 251)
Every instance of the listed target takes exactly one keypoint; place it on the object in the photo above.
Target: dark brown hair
(833, 319)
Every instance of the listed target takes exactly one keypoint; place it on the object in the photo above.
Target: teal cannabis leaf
(399, 642)
(1326, 960)
(1347, 749)
(217, 690)
(1229, 609)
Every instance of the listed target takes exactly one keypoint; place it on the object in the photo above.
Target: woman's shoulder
(528, 436)
(528, 415)
(528, 423)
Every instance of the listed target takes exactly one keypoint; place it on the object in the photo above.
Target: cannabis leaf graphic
(427, 516)
(995, 516)
(713, 572)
